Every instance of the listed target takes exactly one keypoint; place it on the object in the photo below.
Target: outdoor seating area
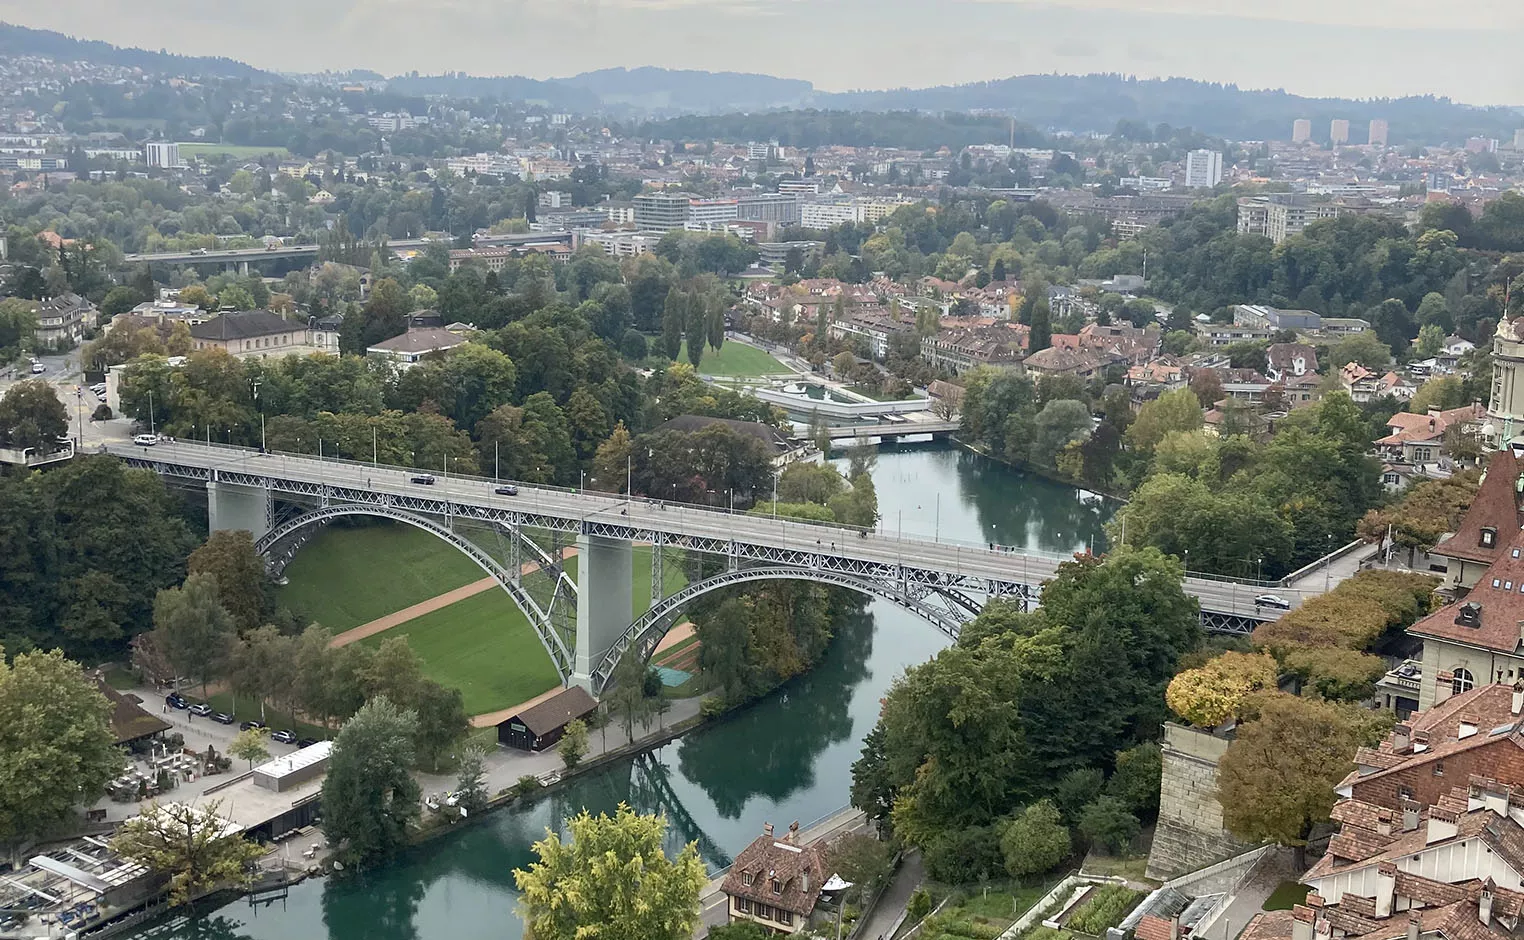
(72, 887)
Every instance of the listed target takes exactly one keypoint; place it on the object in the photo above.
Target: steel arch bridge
(281, 544)
(944, 608)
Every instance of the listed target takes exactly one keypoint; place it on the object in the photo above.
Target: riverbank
(1045, 472)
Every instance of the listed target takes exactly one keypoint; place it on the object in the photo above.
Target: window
(1464, 681)
(743, 905)
(786, 917)
(1439, 768)
(1489, 537)
(1496, 581)
(1405, 793)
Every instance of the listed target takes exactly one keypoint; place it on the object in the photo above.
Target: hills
(25, 41)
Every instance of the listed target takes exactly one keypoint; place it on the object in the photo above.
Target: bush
(919, 905)
(527, 784)
(961, 856)
(1104, 909)
(1136, 780)
(1107, 823)
(1034, 841)
(102, 412)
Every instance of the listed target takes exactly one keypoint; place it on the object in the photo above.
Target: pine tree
(1042, 327)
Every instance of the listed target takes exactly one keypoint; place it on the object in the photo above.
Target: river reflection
(786, 758)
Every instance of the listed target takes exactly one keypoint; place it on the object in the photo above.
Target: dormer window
(1489, 537)
(1469, 614)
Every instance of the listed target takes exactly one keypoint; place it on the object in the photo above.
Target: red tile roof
(1496, 504)
(1152, 928)
(798, 871)
(1499, 595)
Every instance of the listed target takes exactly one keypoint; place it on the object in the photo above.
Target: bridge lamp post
(260, 407)
(1260, 575)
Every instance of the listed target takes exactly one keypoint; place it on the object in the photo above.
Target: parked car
(38, 368)
(145, 440)
(306, 742)
(223, 718)
(507, 491)
(284, 736)
(201, 708)
(246, 725)
(1272, 600)
(176, 700)
(424, 479)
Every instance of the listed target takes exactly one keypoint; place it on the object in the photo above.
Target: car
(198, 251)
(423, 479)
(306, 742)
(99, 388)
(1272, 600)
(201, 708)
(38, 368)
(223, 718)
(145, 440)
(284, 737)
(507, 491)
(176, 700)
(246, 725)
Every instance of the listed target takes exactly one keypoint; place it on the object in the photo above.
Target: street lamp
(258, 406)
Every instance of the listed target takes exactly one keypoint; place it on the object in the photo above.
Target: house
(251, 333)
(408, 349)
(1495, 513)
(1290, 360)
(540, 726)
(1476, 638)
(956, 351)
(1057, 360)
(129, 720)
(775, 882)
(1225, 334)
(1417, 440)
(61, 321)
(1361, 383)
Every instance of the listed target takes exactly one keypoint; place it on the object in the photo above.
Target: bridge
(242, 257)
(891, 432)
(584, 624)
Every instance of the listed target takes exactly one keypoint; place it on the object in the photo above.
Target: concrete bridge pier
(235, 506)
(605, 597)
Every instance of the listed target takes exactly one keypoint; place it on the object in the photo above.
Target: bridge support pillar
(234, 506)
(605, 597)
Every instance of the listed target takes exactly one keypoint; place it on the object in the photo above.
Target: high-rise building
(161, 153)
(1377, 136)
(1203, 169)
(703, 214)
(659, 212)
(1301, 131)
(1518, 139)
(1338, 131)
(769, 207)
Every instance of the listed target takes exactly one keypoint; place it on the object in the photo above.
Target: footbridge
(584, 623)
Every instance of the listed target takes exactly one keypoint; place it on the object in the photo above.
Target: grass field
(482, 646)
(736, 359)
(349, 576)
(232, 150)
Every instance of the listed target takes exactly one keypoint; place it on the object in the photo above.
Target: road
(62, 371)
(929, 561)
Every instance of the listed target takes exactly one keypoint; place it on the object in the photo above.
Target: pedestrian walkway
(891, 904)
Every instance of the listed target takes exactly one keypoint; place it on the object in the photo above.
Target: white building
(161, 153)
(1301, 131)
(823, 215)
(1338, 131)
(703, 214)
(1203, 169)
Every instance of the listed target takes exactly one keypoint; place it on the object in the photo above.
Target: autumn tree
(1179, 410)
(1211, 694)
(251, 744)
(192, 843)
(611, 462)
(611, 879)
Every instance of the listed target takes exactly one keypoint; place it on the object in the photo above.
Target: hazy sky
(1469, 50)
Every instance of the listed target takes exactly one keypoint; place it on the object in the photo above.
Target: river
(785, 758)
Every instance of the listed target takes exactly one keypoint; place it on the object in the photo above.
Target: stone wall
(1190, 833)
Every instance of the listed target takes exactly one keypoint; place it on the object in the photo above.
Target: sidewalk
(896, 897)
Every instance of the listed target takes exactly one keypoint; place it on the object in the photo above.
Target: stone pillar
(234, 506)
(605, 598)
(1190, 833)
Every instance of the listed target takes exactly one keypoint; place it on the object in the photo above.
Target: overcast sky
(1470, 50)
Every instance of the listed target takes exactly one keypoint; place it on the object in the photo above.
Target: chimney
(767, 829)
(1383, 822)
(1402, 739)
(1301, 922)
(793, 832)
(1443, 824)
(1174, 927)
(804, 879)
(1517, 705)
(1420, 741)
(1386, 888)
(1484, 904)
(1443, 687)
(1409, 816)
(1415, 927)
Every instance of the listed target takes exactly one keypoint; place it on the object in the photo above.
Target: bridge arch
(539, 618)
(648, 629)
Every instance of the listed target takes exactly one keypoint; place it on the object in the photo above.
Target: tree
(1041, 336)
(251, 745)
(32, 417)
(189, 842)
(1277, 779)
(1107, 822)
(1035, 841)
(193, 629)
(1173, 411)
(235, 297)
(741, 929)
(1136, 779)
(1211, 694)
(674, 320)
(573, 746)
(1060, 423)
(842, 365)
(441, 722)
(243, 582)
(18, 324)
(56, 745)
(1431, 339)
(611, 462)
(1365, 348)
(471, 778)
(611, 880)
(369, 794)
(1077, 789)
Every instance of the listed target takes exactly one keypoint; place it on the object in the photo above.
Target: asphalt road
(881, 547)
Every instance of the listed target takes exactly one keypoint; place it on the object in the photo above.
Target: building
(1301, 131)
(1338, 131)
(874, 328)
(823, 215)
(292, 770)
(809, 187)
(662, 212)
(1290, 360)
(623, 244)
(129, 721)
(957, 351)
(1475, 639)
(246, 333)
(1505, 406)
(411, 347)
(1518, 139)
(1273, 318)
(1203, 169)
(706, 213)
(540, 726)
(497, 257)
(1378, 133)
(1496, 510)
(1223, 334)
(1415, 441)
(163, 154)
(61, 321)
(781, 208)
(1278, 216)
(775, 882)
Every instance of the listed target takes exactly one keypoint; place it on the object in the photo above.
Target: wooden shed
(540, 726)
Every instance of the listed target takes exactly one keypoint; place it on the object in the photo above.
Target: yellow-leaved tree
(1213, 693)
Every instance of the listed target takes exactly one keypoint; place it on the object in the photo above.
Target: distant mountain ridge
(687, 91)
(25, 41)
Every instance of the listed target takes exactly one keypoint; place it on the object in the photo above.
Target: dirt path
(402, 616)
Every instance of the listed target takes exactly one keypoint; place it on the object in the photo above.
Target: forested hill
(1099, 102)
(22, 41)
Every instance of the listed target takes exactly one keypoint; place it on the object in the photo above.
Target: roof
(775, 439)
(288, 764)
(1488, 616)
(129, 721)
(423, 340)
(1495, 505)
(798, 871)
(1436, 734)
(242, 324)
(1270, 925)
(556, 711)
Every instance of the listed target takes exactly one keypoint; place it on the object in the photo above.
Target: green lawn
(232, 150)
(736, 359)
(348, 576)
(482, 646)
(1286, 895)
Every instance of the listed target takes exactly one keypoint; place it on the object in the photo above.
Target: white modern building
(1203, 169)
(164, 154)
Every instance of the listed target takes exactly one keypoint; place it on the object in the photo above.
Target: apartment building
(1378, 133)
(809, 187)
(1278, 216)
(1338, 131)
(823, 215)
(708, 214)
(163, 154)
(1203, 169)
(1301, 131)
(779, 208)
(662, 212)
